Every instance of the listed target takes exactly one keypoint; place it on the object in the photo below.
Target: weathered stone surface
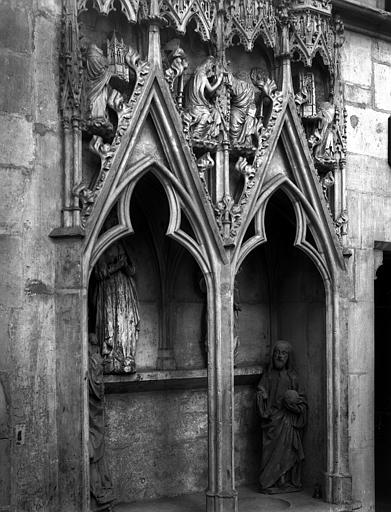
(52, 7)
(17, 141)
(46, 71)
(367, 132)
(359, 96)
(13, 182)
(15, 83)
(362, 463)
(364, 276)
(382, 80)
(382, 51)
(15, 29)
(360, 331)
(362, 413)
(5, 472)
(10, 284)
(356, 59)
(170, 429)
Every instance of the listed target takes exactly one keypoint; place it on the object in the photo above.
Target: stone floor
(249, 501)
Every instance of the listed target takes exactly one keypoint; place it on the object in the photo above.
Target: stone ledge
(250, 500)
(367, 20)
(173, 379)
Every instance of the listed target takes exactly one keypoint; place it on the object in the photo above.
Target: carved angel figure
(201, 115)
(117, 310)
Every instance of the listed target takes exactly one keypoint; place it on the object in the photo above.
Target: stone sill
(173, 379)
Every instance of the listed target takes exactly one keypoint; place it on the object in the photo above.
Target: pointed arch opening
(147, 308)
(282, 297)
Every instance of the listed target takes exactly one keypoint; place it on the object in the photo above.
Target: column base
(222, 502)
(338, 488)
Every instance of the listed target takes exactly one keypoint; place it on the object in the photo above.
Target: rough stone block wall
(30, 180)
(157, 441)
(366, 70)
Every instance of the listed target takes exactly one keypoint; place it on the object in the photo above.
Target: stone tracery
(226, 115)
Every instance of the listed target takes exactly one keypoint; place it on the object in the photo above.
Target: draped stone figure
(101, 487)
(283, 411)
(243, 121)
(98, 78)
(201, 115)
(322, 141)
(117, 310)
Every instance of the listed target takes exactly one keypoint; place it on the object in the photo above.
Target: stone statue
(178, 65)
(283, 411)
(243, 121)
(265, 87)
(97, 95)
(322, 140)
(117, 310)
(101, 487)
(202, 118)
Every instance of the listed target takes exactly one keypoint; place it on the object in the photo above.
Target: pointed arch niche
(156, 443)
(282, 297)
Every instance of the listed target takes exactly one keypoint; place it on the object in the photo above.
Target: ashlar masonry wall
(30, 204)
(366, 71)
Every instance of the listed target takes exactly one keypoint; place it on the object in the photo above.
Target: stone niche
(156, 419)
(156, 435)
(156, 431)
(282, 297)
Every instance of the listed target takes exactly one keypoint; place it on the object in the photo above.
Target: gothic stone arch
(283, 159)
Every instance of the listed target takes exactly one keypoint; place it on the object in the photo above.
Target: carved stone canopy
(228, 112)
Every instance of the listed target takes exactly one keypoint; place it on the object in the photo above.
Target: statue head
(93, 343)
(281, 352)
(93, 339)
(208, 66)
(242, 75)
(258, 77)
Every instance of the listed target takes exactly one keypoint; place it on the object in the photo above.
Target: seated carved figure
(201, 116)
(283, 411)
(243, 121)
